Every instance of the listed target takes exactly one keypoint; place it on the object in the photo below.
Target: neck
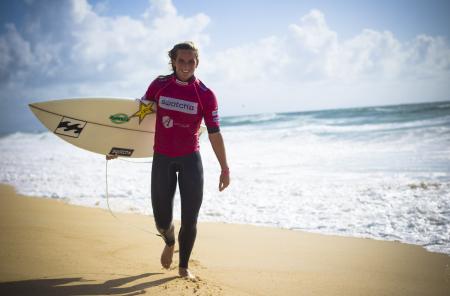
(181, 81)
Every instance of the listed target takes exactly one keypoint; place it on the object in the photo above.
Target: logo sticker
(215, 116)
(167, 122)
(178, 105)
(121, 151)
(143, 111)
(119, 118)
(70, 127)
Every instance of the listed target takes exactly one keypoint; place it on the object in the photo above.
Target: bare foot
(166, 256)
(186, 273)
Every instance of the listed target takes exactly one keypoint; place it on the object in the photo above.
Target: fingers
(224, 182)
(111, 156)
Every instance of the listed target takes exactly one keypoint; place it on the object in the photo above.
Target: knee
(189, 225)
(165, 227)
(162, 221)
(168, 234)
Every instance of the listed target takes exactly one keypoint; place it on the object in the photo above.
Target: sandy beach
(48, 247)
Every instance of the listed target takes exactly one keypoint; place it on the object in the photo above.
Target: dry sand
(50, 248)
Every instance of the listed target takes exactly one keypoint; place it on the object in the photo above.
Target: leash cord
(109, 208)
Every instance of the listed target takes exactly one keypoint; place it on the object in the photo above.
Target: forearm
(218, 146)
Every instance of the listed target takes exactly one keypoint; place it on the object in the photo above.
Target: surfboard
(120, 126)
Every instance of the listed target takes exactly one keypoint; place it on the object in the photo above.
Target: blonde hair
(188, 45)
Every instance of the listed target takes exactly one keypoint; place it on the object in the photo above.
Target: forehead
(185, 54)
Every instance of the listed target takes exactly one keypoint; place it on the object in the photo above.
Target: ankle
(184, 272)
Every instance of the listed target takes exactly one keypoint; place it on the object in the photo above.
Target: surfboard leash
(109, 208)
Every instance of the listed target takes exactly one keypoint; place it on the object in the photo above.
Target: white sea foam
(394, 186)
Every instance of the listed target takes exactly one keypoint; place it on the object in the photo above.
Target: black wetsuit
(188, 171)
(182, 105)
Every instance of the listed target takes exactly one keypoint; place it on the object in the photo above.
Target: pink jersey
(181, 106)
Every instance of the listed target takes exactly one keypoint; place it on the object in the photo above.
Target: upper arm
(211, 113)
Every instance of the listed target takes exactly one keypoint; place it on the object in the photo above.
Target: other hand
(111, 156)
(224, 180)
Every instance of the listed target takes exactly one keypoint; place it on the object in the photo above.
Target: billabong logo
(70, 127)
(119, 118)
(178, 105)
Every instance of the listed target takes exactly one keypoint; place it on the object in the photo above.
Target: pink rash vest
(181, 106)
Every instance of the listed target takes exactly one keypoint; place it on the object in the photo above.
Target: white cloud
(68, 49)
(311, 68)
(95, 51)
(160, 8)
(313, 33)
(14, 52)
(312, 51)
(73, 49)
(261, 60)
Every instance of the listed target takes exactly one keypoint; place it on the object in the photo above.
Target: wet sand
(48, 247)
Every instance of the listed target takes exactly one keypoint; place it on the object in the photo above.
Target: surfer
(183, 101)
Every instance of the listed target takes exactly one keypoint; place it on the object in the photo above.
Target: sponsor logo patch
(70, 127)
(167, 122)
(215, 116)
(119, 118)
(143, 111)
(121, 151)
(178, 105)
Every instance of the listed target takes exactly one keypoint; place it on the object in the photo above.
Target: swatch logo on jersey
(178, 105)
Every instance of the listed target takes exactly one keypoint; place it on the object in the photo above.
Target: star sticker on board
(143, 111)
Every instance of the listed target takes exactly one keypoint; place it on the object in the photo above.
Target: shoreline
(49, 247)
(133, 211)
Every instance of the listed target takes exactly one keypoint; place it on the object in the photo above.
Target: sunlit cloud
(76, 50)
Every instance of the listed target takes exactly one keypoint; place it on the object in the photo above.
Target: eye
(182, 61)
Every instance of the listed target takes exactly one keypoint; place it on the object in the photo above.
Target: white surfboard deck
(120, 126)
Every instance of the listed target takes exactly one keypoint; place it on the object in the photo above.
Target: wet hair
(188, 45)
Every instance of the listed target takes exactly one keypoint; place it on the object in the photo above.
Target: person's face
(185, 64)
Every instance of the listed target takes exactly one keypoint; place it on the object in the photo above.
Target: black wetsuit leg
(163, 186)
(190, 180)
(191, 193)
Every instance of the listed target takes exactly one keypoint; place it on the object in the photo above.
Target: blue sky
(258, 56)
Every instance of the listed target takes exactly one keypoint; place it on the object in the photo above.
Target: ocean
(374, 172)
